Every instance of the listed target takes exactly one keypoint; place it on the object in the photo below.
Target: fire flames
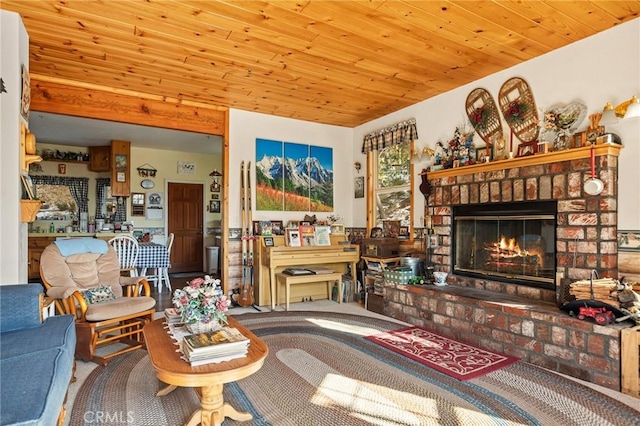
(507, 255)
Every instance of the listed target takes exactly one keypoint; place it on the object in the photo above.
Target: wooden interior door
(185, 220)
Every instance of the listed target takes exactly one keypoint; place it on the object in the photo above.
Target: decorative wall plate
(147, 184)
(519, 109)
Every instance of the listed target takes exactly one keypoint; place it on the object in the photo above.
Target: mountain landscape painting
(293, 177)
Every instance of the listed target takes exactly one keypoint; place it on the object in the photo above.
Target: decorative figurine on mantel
(595, 129)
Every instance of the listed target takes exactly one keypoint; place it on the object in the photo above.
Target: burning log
(507, 256)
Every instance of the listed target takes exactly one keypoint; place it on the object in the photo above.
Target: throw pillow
(98, 294)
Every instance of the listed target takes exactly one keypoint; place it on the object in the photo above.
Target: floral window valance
(402, 132)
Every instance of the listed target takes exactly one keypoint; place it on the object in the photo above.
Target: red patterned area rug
(448, 356)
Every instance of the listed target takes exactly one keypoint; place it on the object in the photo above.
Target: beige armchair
(82, 275)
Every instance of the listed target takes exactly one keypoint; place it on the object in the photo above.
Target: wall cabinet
(35, 248)
(120, 166)
(99, 158)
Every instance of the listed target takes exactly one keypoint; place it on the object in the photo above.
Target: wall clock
(147, 184)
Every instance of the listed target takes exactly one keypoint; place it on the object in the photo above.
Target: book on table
(319, 270)
(215, 346)
(215, 360)
(172, 316)
(216, 341)
(297, 271)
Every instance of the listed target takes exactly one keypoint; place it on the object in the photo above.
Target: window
(107, 206)
(57, 202)
(392, 185)
(62, 197)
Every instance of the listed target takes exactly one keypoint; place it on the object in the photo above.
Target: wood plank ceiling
(333, 62)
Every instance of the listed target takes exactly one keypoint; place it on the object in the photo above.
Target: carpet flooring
(448, 356)
(321, 370)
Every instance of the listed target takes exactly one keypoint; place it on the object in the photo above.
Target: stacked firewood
(602, 289)
(621, 294)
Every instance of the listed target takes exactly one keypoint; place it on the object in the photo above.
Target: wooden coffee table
(208, 379)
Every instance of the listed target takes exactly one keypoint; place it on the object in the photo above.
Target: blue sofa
(36, 358)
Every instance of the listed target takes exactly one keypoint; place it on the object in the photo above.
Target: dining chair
(126, 248)
(162, 274)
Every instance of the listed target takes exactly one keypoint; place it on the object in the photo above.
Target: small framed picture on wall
(214, 206)
(358, 187)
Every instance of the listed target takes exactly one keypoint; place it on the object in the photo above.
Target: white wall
(605, 67)
(14, 43)
(245, 127)
(601, 68)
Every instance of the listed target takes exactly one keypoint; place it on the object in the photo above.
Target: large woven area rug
(446, 355)
(321, 370)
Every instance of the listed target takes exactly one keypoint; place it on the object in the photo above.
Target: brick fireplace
(524, 320)
(586, 226)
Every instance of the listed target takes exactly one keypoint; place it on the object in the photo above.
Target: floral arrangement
(460, 148)
(515, 112)
(202, 301)
(479, 118)
(558, 122)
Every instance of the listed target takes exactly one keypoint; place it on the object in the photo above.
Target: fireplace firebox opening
(510, 242)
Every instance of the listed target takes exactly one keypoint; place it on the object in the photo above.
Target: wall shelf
(55, 160)
(531, 160)
(29, 209)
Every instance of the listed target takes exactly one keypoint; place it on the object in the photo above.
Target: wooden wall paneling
(85, 101)
(357, 60)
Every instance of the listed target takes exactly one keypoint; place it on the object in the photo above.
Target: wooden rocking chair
(82, 275)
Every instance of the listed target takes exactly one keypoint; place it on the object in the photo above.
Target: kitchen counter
(102, 235)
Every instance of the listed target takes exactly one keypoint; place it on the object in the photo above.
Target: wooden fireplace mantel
(531, 160)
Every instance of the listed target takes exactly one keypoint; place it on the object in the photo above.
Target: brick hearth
(515, 319)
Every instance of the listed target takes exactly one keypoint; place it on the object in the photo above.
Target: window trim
(372, 169)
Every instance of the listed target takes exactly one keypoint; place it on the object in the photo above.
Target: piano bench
(288, 280)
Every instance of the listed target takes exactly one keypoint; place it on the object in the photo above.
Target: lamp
(417, 154)
(608, 115)
(633, 108)
(627, 109)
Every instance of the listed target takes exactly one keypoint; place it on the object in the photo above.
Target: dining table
(153, 256)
